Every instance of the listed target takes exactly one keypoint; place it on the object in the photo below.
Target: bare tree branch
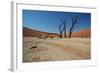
(73, 26)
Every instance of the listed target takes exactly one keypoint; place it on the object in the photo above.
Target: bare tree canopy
(62, 26)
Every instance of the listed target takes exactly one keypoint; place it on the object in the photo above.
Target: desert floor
(56, 49)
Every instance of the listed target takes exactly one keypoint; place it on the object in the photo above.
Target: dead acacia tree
(73, 26)
(60, 27)
(64, 26)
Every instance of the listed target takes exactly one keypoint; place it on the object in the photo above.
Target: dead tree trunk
(65, 30)
(64, 26)
(60, 30)
(70, 33)
(73, 26)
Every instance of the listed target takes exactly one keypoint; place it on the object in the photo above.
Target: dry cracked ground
(37, 50)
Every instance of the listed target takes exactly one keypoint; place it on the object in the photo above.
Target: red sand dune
(32, 33)
(82, 33)
(35, 33)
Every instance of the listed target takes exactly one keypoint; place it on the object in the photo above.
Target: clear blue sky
(49, 20)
